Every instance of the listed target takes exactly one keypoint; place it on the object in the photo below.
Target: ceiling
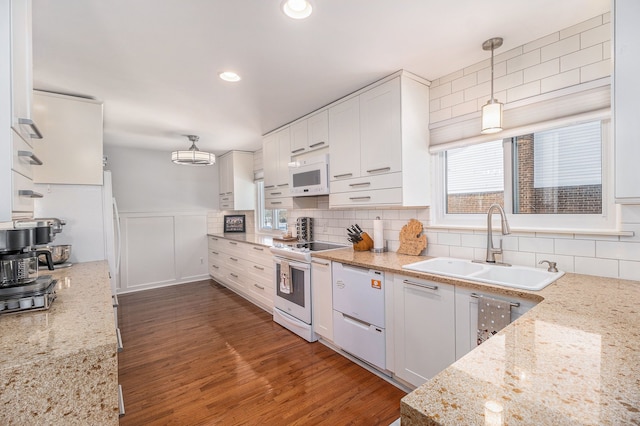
(155, 63)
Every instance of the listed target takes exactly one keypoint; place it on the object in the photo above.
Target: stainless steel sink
(521, 277)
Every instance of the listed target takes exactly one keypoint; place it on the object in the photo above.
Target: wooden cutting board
(411, 242)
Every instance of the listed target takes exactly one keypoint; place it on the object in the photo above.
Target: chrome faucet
(491, 250)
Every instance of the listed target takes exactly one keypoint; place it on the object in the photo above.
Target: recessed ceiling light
(229, 76)
(297, 9)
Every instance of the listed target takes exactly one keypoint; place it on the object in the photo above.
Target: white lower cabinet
(467, 316)
(424, 321)
(322, 298)
(245, 268)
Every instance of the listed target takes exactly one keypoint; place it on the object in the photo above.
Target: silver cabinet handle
(514, 304)
(297, 150)
(214, 238)
(221, 194)
(234, 275)
(258, 248)
(381, 169)
(317, 262)
(115, 300)
(343, 175)
(228, 193)
(214, 266)
(120, 401)
(215, 252)
(360, 184)
(34, 160)
(119, 338)
(29, 193)
(258, 286)
(233, 243)
(30, 123)
(275, 193)
(430, 287)
(225, 199)
(259, 268)
(234, 259)
(269, 186)
(283, 184)
(317, 144)
(276, 202)
(360, 198)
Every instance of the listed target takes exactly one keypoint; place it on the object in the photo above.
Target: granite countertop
(256, 239)
(572, 359)
(61, 363)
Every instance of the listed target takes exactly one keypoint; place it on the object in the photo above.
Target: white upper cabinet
(310, 133)
(71, 149)
(237, 190)
(379, 140)
(626, 100)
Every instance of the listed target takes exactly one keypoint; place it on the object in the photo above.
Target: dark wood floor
(198, 354)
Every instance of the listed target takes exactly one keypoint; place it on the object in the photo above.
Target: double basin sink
(521, 277)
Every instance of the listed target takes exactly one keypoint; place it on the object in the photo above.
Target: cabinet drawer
(23, 193)
(380, 197)
(261, 293)
(23, 156)
(260, 255)
(277, 192)
(367, 183)
(260, 274)
(233, 248)
(278, 203)
(226, 202)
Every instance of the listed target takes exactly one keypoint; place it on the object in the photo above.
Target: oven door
(295, 298)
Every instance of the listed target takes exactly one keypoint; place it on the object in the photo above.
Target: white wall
(147, 181)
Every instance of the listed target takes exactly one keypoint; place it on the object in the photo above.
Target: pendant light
(492, 111)
(193, 156)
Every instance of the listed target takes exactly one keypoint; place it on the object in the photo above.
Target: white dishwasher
(358, 312)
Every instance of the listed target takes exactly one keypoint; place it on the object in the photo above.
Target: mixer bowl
(59, 254)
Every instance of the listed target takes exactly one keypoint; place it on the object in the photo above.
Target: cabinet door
(225, 174)
(299, 137)
(21, 68)
(318, 130)
(270, 157)
(284, 156)
(380, 132)
(344, 128)
(322, 299)
(626, 100)
(425, 328)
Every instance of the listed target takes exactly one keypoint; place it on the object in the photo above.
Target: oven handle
(292, 263)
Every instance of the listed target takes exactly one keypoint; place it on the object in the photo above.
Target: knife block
(365, 245)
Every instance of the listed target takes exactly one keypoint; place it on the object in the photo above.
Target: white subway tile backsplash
(524, 91)
(631, 227)
(606, 50)
(537, 245)
(443, 114)
(499, 70)
(482, 91)
(521, 62)
(464, 82)
(544, 41)
(450, 77)
(595, 71)
(560, 81)
(598, 267)
(596, 35)
(449, 239)
(508, 81)
(542, 70)
(509, 242)
(505, 56)
(461, 252)
(560, 48)
(581, 58)
(434, 105)
(452, 99)
(477, 67)
(474, 240)
(519, 258)
(630, 270)
(464, 108)
(618, 250)
(606, 18)
(575, 247)
(440, 91)
(582, 26)
(437, 250)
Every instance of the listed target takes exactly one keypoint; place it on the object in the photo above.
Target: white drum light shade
(492, 111)
(297, 9)
(193, 156)
(492, 117)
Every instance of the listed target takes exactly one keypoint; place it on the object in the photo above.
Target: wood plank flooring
(198, 354)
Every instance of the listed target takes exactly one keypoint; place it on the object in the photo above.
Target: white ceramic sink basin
(522, 277)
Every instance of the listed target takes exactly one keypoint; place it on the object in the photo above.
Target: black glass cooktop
(315, 246)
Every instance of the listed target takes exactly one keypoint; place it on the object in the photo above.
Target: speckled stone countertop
(574, 359)
(256, 239)
(59, 366)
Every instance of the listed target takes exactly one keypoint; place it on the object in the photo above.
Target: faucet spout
(491, 250)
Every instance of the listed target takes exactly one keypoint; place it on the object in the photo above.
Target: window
(269, 219)
(560, 173)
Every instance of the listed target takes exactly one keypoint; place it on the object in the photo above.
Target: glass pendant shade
(193, 156)
(492, 117)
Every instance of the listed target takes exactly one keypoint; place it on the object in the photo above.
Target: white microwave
(309, 176)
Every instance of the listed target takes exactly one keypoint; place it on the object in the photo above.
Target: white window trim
(608, 223)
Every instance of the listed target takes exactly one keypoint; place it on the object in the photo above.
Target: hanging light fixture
(492, 111)
(193, 156)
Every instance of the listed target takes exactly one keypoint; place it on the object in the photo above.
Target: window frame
(608, 220)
